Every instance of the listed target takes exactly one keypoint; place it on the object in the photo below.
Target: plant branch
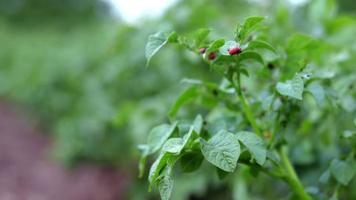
(245, 105)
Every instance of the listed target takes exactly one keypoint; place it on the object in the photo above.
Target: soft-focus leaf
(343, 171)
(317, 91)
(292, 88)
(259, 44)
(200, 36)
(188, 95)
(154, 44)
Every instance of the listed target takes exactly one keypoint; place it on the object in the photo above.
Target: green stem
(246, 109)
(246, 106)
(292, 177)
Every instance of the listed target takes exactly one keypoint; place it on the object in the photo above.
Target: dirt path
(27, 174)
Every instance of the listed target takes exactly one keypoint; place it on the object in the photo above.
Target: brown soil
(27, 173)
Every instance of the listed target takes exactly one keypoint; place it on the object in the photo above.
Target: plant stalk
(292, 177)
(246, 106)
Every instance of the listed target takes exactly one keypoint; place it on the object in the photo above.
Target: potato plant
(270, 99)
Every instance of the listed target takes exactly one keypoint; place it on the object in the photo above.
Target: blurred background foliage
(82, 72)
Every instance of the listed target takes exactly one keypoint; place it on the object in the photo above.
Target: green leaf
(250, 25)
(158, 136)
(244, 72)
(173, 145)
(165, 184)
(324, 178)
(224, 50)
(200, 36)
(188, 95)
(343, 171)
(191, 161)
(198, 123)
(215, 45)
(187, 137)
(298, 42)
(292, 88)
(250, 56)
(222, 150)
(259, 44)
(254, 144)
(156, 42)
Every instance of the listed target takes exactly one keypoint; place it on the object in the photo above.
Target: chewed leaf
(292, 88)
(222, 150)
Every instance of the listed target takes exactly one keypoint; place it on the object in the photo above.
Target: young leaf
(259, 44)
(222, 150)
(183, 98)
(215, 45)
(254, 144)
(191, 161)
(247, 27)
(156, 42)
(200, 36)
(158, 136)
(198, 123)
(292, 88)
(343, 171)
